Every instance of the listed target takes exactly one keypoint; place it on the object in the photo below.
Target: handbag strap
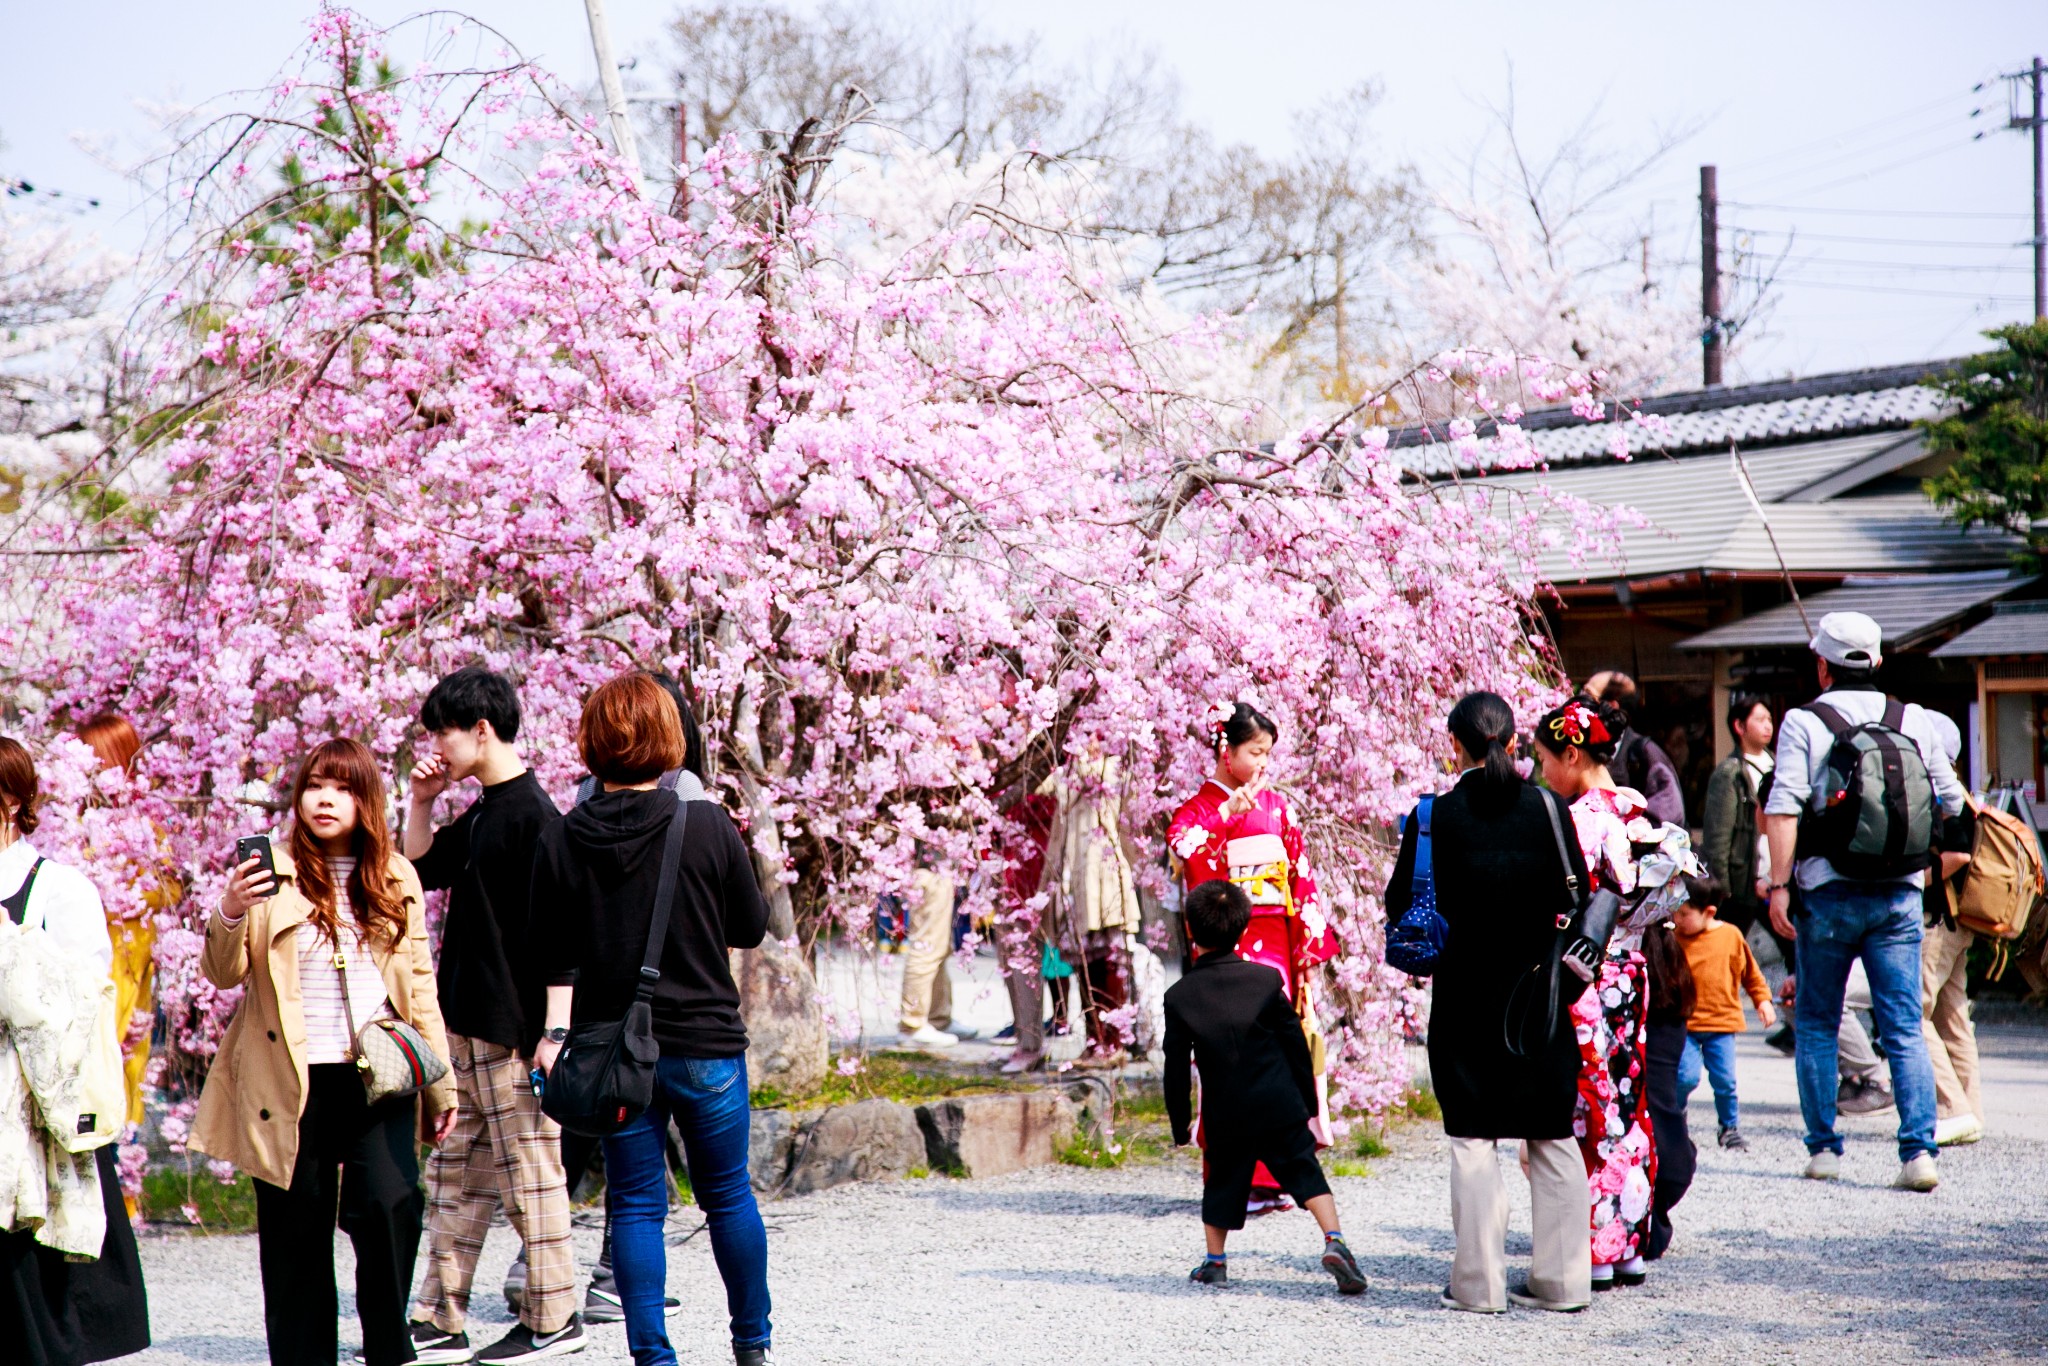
(664, 894)
(348, 1013)
(1564, 854)
(16, 902)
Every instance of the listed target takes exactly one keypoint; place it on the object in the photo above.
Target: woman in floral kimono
(1234, 811)
(1574, 744)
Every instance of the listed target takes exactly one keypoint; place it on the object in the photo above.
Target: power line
(1839, 158)
(1873, 213)
(1878, 241)
(1902, 289)
(1836, 262)
(1942, 150)
(1836, 141)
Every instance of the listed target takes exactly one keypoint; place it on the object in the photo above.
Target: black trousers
(1676, 1156)
(1289, 1153)
(363, 1161)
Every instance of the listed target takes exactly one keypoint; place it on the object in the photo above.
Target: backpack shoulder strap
(16, 902)
(1422, 815)
(1895, 715)
(1837, 724)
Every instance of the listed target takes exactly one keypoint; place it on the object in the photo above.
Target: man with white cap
(1876, 919)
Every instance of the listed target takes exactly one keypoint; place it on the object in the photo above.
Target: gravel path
(1064, 1264)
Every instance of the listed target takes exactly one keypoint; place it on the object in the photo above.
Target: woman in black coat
(1500, 886)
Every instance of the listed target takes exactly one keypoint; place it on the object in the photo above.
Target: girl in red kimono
(1234, 812)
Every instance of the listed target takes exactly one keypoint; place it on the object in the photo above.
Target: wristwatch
(556, 1035)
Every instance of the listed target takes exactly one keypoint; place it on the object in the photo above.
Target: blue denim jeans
(708, 1098)
(1879, 923)
(1715, 1053)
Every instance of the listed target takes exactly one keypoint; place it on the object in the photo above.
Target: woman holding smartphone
(343, 913)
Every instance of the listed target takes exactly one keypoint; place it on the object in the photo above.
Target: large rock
(771, 1142)
(787, 1046)
(869, 1140)
(990, 1135)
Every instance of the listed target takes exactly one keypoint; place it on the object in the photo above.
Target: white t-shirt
(327, 1032)
(63, 902)
(1803, 745)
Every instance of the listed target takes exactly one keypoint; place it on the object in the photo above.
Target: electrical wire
(1856, 134)
(1875, 213)
(1874, 241)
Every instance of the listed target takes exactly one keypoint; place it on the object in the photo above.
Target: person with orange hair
(133, 930)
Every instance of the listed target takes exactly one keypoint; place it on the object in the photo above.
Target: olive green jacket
(1730, 833)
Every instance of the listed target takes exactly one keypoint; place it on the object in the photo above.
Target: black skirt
(68, 1313)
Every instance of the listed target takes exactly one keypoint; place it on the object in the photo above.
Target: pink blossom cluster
(907, 532)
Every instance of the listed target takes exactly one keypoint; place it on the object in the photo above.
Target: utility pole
(2040, 217)
(1343, 363)
(1710, 276)
(614, 93)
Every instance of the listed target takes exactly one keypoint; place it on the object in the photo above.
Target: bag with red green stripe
(391, 1056)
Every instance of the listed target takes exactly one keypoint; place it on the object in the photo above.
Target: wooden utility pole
(614, 93)
(1710, 277)
(2040, 217)
(1343, 348)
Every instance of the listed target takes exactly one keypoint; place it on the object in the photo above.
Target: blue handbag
(1416, 940)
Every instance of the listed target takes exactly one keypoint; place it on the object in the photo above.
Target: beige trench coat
(256, 1091)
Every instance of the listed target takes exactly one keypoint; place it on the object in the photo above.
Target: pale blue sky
(1854, 116)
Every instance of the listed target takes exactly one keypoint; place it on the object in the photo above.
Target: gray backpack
(1876, 817)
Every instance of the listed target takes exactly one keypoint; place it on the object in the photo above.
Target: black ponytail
(1484, 723)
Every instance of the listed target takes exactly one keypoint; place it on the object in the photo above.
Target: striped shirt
(327, 1032)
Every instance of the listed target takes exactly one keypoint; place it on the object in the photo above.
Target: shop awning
(1909, 608)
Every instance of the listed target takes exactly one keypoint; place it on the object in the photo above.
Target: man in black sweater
(501, 1151)
(1258, 1084)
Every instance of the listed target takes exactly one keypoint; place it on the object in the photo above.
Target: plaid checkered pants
(501, 1150)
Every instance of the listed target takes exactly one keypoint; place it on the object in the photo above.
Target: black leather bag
(1581, 944)
(604, 1078)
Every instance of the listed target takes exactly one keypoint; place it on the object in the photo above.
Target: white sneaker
(926, 1037)
(1957, 1130)
(961, 1031)
(1918, 1175)
(1825, 1165)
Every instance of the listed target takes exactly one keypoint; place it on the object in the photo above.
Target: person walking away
(502, 1152)
(1574, 745)
(1944, 969)
(71, 1287)
(926, 1013)
(1236, 810)
(1863, 775)
(1093, 902)
(595, 877)
(1024, 833)
(339, 936)
(1722, 969)
(1232, 1018)
(1671, 1001)
(1641, 763)
(1500, 887)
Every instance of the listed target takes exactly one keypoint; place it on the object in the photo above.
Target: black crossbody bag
(604, 1078)
(1581, 943)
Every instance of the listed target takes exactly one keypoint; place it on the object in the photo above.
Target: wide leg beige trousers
(1561, 1261)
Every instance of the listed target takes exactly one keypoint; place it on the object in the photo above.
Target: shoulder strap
(1837, 724)
(1422, 815)
(664, 894)
(16, 902)
(1895, 715)
(1564, 857)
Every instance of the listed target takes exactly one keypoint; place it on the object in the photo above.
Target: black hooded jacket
(594, 876)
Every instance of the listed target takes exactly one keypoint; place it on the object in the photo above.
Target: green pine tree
(1998, 438)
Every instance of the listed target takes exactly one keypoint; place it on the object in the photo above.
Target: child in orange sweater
(1723, 968)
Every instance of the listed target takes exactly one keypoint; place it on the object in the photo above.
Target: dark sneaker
(1863, 1096)
(515, 1282)
(601, 1302)
(752, 1356)
(1733, 1141)
(432, 1347)
(1529, 1299)
(1782, 1040)
(1338, 1261)
(1210, 1273)
(523, 1344)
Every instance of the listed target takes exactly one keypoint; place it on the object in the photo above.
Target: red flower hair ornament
(1578, 724)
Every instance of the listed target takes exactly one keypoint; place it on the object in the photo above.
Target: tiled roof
(1882, 400)
(1908, 609)
(2014, 628)
(1699, 519)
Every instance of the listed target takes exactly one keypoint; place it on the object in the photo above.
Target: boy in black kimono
(1258, 1084)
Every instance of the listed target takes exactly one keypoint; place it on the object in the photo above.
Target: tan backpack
(1999, 894)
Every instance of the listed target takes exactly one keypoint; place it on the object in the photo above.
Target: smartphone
(256, 847)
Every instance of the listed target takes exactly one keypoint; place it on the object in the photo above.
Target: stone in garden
(771, 1142)
(786, 1043)
(990, 1135)
(869, 1140)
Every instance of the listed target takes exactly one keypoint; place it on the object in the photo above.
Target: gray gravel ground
(1064, 1264)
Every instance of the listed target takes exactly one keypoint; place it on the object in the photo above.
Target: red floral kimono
(1199, 838)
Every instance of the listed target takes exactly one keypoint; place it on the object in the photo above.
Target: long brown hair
(375, 897)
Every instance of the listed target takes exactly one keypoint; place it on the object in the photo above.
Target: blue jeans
(708, 1098)
(1879, 923)
(1716, 1054)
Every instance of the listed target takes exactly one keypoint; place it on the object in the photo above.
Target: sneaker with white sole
(1958, 1130)
(1825, 1165)
(522, 1344)
(431, 1347)
(924, 1036)
(1529, 1299)
(601, 1302)
(1918, 1175)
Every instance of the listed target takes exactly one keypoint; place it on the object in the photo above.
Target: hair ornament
(1216, 718)
(1578, 724)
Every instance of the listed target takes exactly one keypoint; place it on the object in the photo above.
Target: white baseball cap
(1850, 640)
